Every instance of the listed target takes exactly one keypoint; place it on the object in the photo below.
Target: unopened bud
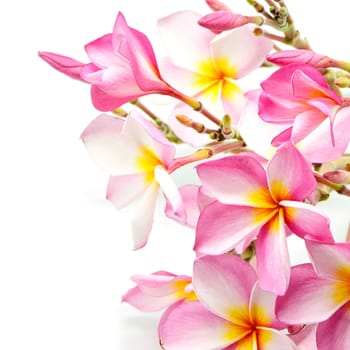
(120, 112)
(184, 120)
(341, 177)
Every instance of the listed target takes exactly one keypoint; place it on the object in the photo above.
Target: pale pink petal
(223, 285)
(103, 143)
(221, 227)
(217, 5)
(270, 339)
(141, 134)
(191, 326)
(235, 180)
(331, 260)
(262, 308)
(124, 189)
(308, 298)
(272, 256)
(186, 41)
(335, 332)
(143, 216)
(318, 147)
(66, 65)
(306, 338)
(306, 221)
(240, 59)
(290, 185)
(189, 194)
(148, 303)
(170, 190)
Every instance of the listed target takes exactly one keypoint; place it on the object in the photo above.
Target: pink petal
(223, 285)
(290, 185)
(270, 339)
(306, 221)
(306, 338)
(241, 59)
(101, 52)
(217, 5)
(272, 256)
(191, 326)
(318, 147)
(262, 308)
(221, 227)
(143, 216)
(124, 189)
(331, 260)
(189, 194)
(148, 303)
(335, 332)
(137, 49)
(186, 41)
(63, 64)
(308, 298)
(235, 180)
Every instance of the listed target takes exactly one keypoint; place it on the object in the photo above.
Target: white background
(65, 253)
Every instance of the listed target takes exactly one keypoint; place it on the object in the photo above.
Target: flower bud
(341, 177)
(216, 5)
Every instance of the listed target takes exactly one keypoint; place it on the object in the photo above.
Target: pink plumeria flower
(232, 311)
(322, 296)
(316, 146)
(264, 205)
(298, 97)
(208, 66)
(138, 157)
(123, 67)
(159, 290)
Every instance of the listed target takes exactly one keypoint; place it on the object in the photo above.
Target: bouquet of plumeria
(264, 155)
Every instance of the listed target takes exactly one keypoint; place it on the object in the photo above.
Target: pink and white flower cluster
(277, 149)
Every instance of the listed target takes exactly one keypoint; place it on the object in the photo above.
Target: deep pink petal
(272, 256)
(308, 298)
(235, 180)
(331, 260)
(191, 326)
(335, 332)
(306, 221)
(221, 227)
(223, 285)
(286, 184)
(66, 65)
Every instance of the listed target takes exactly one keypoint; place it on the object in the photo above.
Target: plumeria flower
(316, 146)
(298, 97)
(264, 205)
(123, 67)
(159, 290)
(232, 311)
(207, 66)
(138, 157)
(321, 293)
